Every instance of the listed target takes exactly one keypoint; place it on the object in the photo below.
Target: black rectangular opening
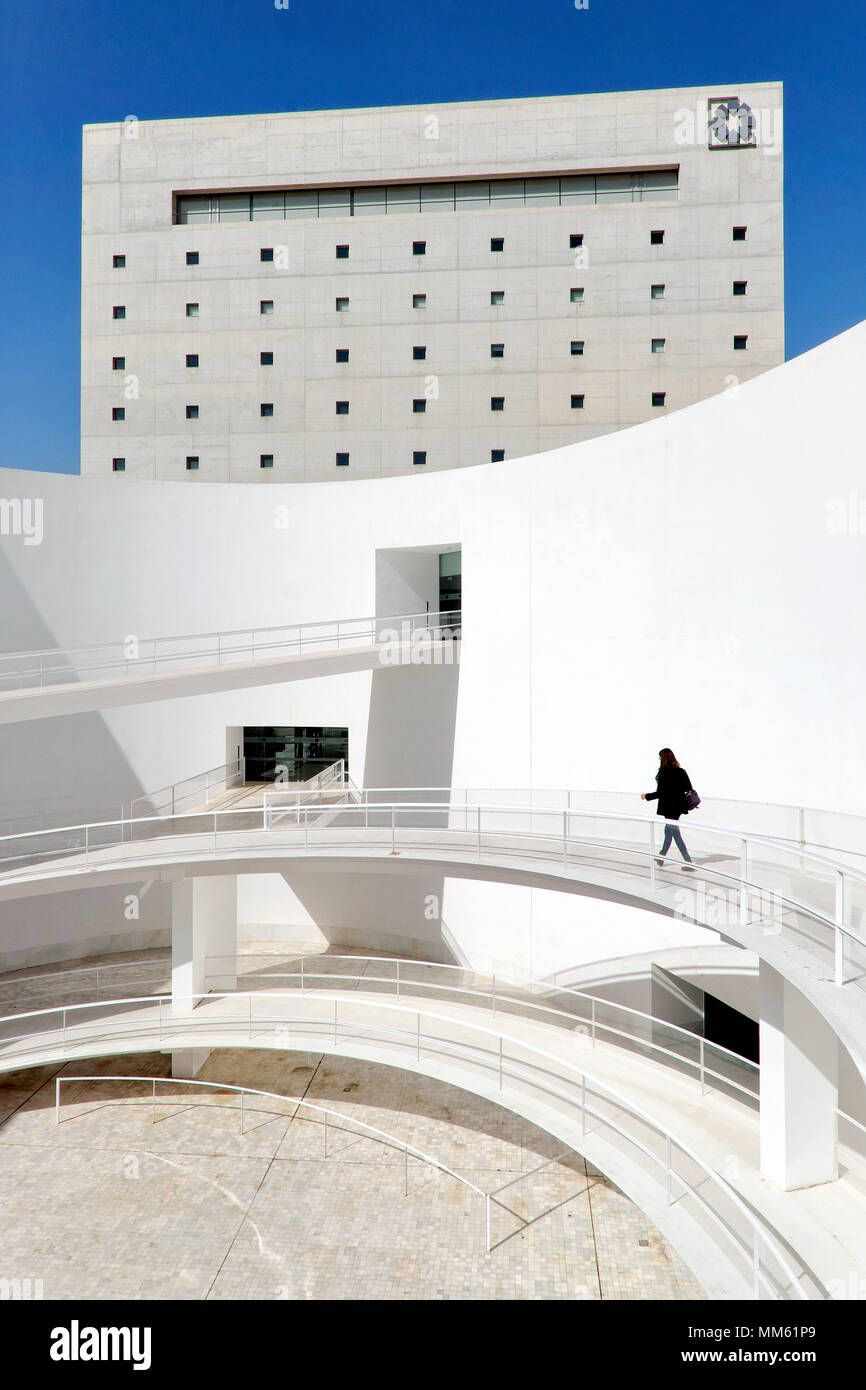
(291, 752)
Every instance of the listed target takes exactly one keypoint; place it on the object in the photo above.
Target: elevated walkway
(46, 684)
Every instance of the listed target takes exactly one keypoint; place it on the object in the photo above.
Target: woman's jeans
(674, 834)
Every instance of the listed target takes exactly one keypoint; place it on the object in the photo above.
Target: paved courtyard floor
(110, 1204)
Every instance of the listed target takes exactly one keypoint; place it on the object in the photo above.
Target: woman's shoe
(660, 863)
(688, 868)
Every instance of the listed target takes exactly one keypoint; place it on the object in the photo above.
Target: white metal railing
(564, 1088)
(544, 841)
(173, 798)
(335, 1119)
(284, 802)
(134, 657)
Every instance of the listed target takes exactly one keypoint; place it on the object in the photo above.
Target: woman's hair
(666, 758)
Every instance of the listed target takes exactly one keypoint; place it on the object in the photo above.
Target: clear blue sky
(66, 64)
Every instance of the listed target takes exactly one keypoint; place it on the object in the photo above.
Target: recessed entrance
(290, 752)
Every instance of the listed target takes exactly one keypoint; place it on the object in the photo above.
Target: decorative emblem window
(731, 124)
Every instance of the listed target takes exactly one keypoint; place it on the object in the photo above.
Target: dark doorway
(450, 588)
(731, 1029)
(291, 753)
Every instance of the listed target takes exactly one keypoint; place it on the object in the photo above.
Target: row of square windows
(419, 406)
(419, 248)
(419, 301)
(419, 352)
(419, 457)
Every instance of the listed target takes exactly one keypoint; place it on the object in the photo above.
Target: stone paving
(111, 1205)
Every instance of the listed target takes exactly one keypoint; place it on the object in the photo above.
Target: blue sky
(67, 64)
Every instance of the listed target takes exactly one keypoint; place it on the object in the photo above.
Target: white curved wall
(684, 582)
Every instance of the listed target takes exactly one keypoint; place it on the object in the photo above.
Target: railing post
(652, 844)
(57, 1100)
(153, 1103)
(668, 1168)
(593, 1023)
(393, 830)
(744, 873)
(838, 933)
(487, 1219)
(243, 1094)
(335, 1023)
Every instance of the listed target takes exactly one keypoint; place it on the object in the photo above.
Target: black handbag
(691, 800)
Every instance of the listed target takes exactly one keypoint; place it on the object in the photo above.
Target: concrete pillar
(204, 936)
(799, 1074)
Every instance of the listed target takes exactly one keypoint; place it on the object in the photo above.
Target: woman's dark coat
(672, 783)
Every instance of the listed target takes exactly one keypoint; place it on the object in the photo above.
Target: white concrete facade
(598, 293)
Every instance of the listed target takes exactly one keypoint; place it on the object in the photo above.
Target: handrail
(560, 844)
(760, 1233)
(498, 998)
(131, 657)
(325, 1110)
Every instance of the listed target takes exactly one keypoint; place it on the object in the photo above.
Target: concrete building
(360, 293)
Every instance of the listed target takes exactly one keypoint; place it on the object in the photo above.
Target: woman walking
(672, 783)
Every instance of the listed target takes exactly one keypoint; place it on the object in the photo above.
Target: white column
(204, 927)
(799, 1074)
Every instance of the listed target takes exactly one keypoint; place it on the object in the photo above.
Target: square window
(419, 248)
(118, 311)
(576, 294)
(740, 342)
(497, 349)
(497, 402)
(419, 301)
(342, 407)
(738, 233)
(266, 306)
(266, 409)
(575, 239)
(192, 412)
(740, 286)
(266, 359)
(497, 296)
(341, 355)
(658, 397)
(118, 262)
(658, 345)
(419, 354)
(266, 460)
(657, 291)
(341, 252)
(341, 303)
(419, 456)
(577, 347)
(192, 311)
(419, 406)
(656, 238)
(192, 359)
(577, 402)
(266, 253)
(118, 465)
(118, 364)
(497, 243)
(192, 258)
(118, 412)
(342, 460)
(192, 461)
(497, 455)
